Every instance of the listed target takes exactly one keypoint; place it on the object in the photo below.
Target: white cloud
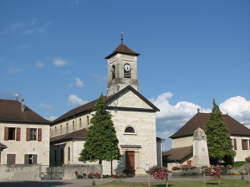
(75, 100)
(173, 116)
(238, 107)
(78, 82)
(46, 107)
(51, 118)
(39, 64)
(58, 62)
(33, 26)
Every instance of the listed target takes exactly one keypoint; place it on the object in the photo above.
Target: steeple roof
(123, 49)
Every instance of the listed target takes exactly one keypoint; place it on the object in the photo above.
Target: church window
(87, 120)
(113, 72)
(60, 129)
(67, 127)
(73, 125)
(68, 153)
(129, 130)
(80, 123)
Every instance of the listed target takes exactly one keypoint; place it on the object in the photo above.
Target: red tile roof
(200, 119)
(123, 49)
(177, 154)
(11, 112)
(76, 135)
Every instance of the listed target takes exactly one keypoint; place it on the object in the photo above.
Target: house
(24, 135)
(182, 140)
(133, 115)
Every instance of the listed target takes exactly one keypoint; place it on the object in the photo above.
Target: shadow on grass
(33, 184)
(161, 185)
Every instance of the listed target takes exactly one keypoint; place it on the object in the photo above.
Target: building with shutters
(182, 140)
(133, 115)
(24, 135)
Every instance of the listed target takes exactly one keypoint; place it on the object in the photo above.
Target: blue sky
(52, 52)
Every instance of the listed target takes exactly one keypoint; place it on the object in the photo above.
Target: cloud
(15, 70)
(46, 107)
(39, 64)
(173, 116)
(238, 107)
(51, 118)
(75, 100)
(78, 82)
(58, 62)
(33, 26)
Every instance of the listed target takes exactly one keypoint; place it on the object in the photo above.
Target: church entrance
(130, 162)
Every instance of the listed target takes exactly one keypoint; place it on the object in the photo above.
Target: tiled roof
(200, 119)
(123, 49)
(178, 154)
(11, 112)
(80, 134)
(2, 146)
(89, 106)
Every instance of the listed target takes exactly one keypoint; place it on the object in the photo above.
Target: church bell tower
(122, 68)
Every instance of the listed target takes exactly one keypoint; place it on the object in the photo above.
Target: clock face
(127, 67)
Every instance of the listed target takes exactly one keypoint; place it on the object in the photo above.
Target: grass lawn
(224, 183)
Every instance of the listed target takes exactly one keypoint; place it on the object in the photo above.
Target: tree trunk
(100, 163)
(111, 167)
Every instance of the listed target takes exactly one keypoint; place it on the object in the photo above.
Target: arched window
(67, 127)
(80, 123)
(113, 72)
(129, 130)
(73, 125)
(87, 120)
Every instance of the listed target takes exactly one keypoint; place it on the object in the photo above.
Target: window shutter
(18, 134)
(34, 159)
(6, 133)
(28, 134)
(11, 159)
(40, 134)
(26, 159)
(235, 144)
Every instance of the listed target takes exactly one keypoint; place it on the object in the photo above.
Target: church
(133, 116)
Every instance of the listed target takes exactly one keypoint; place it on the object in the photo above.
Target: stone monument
(200, 150)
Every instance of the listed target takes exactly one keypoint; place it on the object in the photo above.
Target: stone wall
(19, 172)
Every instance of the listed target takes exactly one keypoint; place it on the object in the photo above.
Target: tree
(218, 138)
(101, 141)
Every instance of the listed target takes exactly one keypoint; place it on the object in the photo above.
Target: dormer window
(129, 130)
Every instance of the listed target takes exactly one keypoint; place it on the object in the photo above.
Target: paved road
(88, 182)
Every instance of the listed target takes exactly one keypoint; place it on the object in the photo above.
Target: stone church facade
(133, 115)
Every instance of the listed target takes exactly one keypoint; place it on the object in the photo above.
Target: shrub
(175, 168)
(214, 171)
(247, 159)
(238, 164)
(98, 175)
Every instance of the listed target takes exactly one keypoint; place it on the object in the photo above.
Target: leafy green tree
(218, 138)
(101, 141)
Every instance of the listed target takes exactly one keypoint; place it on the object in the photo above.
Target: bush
(238, 164)
(247, 159)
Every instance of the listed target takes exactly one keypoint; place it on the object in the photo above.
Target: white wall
(22, 147)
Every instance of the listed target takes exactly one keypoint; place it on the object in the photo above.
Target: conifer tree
(101, 141)
(218, 138)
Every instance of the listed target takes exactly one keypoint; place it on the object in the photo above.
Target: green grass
(212, 183)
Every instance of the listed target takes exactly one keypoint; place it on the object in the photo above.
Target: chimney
(22, 105)
(198, 110)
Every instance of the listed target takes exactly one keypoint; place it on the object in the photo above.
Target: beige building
(24, 133)
(133, 115)
(182, 140)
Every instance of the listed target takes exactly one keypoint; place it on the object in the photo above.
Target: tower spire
(122, 37)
